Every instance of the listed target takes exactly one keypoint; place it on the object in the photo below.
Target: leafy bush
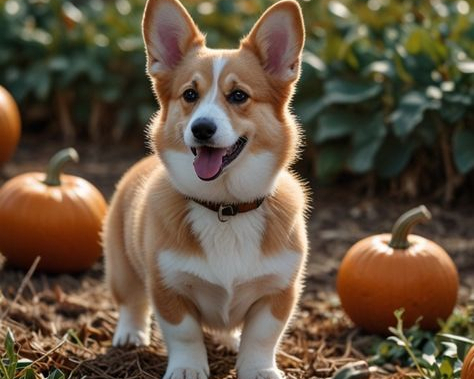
(82, 59)
(387, 87)
(433, 356)
(397, 88)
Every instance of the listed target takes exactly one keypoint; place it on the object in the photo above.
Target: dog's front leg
(263, 328)
(187, 356)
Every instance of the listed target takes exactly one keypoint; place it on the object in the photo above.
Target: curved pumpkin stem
(56, 164)
(405, 223)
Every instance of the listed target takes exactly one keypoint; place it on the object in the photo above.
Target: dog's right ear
(169, 32)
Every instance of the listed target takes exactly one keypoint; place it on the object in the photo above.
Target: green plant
(396, 92)
(387, 87)
(83, 60)
(433, 356)
(12, 366)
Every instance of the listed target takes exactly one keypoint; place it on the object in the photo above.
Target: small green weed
(12, 366)
(434, 356)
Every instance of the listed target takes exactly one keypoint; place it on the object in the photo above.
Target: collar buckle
(225, 211)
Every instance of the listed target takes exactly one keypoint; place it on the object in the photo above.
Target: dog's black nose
(203, 129)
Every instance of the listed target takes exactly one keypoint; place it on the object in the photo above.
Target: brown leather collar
(224, 211)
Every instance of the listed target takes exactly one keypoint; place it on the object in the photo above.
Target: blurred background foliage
(387, 87)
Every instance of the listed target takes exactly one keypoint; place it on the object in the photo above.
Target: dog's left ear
(278, 38)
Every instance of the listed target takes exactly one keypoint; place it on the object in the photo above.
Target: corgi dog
(209, 233)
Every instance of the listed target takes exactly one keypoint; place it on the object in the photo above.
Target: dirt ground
(67, 321)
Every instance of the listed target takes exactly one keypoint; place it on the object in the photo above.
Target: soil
(67, 321)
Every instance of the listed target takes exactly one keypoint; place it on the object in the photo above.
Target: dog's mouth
(209, 162)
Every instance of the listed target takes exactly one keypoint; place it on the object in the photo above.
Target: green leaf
(452, 112)
(385, 68)
(430, 359)
(429, 352)
(410, 111)
(466, 67)
(56, 374)
(355, 370)
(333, 125)
(393, 156)
(29, 374)
(368, 137)
(307, 110)
(340, 91)
(313, 61)
(451, 349)
(457, 338)
(331, 161)
(446, 368)
(23, 363)
(397, 340)
(463, 144)
(10, 346)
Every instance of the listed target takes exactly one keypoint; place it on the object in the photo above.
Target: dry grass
(67, 322)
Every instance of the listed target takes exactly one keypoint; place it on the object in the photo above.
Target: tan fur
(149, 216)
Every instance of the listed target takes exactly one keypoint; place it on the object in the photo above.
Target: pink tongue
(208, 162)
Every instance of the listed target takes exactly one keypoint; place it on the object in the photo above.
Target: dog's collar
(224, 211)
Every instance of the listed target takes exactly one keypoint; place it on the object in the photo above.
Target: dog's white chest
(234, 273)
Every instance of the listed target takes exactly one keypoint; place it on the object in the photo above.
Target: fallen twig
(23, 284)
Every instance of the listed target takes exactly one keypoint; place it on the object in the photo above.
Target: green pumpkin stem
(56, 164)
(405, 223)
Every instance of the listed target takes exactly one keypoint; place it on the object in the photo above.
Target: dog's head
(224, 130)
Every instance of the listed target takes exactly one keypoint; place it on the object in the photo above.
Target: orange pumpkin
(467, 371)
(55, 216)
(385, 272)
(10, 125)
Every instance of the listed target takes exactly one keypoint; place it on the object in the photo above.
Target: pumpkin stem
(405, 223)
(56, 164)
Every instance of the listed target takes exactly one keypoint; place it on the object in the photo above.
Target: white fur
(233, 258)
(249, 177)
(259, 341)
(187, 356)
(253, 176)
(209, 108)
(129, 330)
(228, 339)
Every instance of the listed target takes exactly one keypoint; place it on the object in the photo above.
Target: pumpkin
(467, 371)
(55, 216)
(10, 125)
(385, 272)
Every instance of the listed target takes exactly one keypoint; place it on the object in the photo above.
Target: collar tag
(225, 211)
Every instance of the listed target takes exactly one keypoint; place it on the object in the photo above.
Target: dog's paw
(135, 338)
(186, 373)
(128, 334)
(268, 373)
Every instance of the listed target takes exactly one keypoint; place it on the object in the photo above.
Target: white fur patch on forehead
(210, 108)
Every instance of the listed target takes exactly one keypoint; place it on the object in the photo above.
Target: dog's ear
(169, 32)
(278, 38)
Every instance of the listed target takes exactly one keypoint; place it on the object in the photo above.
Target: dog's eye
(237, 97)
(190, 95)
